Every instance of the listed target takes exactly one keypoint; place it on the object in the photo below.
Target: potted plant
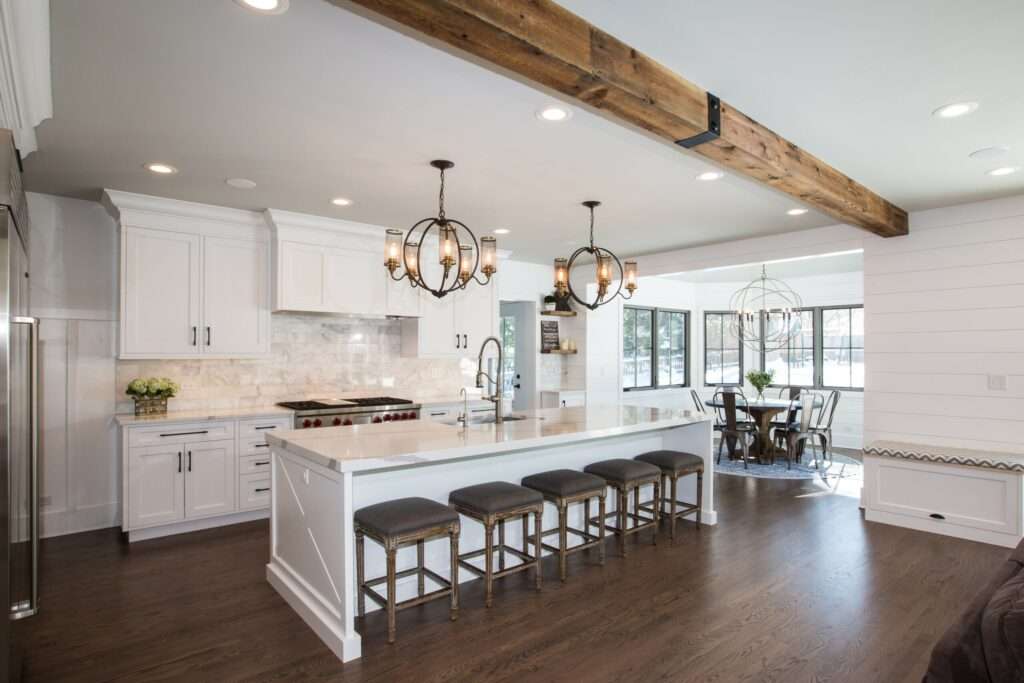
(151, 393)
(760, 379)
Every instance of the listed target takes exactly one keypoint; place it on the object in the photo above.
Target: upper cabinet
(194, 279)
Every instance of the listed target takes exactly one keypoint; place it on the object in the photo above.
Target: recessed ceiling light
(160, 168)
(797, 212)
(955, 109)
(241, 183)
(265, 6)
(554, 114)
(989, 152)
(341, 201)
(502, 231)
(710, 175)
(1003, 170)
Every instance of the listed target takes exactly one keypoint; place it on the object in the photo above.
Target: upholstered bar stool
(673, 465)
(625, 475)
(398, 523)
(562, 488)
(492, 504)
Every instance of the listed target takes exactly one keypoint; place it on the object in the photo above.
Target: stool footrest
(589, 540)
(527, 561)
(681, 508)
(641, 521)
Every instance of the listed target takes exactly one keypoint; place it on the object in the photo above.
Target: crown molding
(277, 218)
(121, 205)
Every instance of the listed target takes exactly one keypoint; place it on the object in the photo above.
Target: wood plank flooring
(792, 585)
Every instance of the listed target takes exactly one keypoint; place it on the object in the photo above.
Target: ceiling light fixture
(1003, 170)
(986, 153)
(554, 114)
(501, 231)
(796, 212)
(240, 183)
(766, 313)
(160, 168)
(603, 261)
(265, 6)
(710, 175)
(955, 110)
(341, 201)
(466, 254)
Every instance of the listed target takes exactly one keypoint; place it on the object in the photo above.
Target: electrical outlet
(997, 382)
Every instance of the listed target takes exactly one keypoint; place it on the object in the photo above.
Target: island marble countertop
(177, 416)
(401, 444)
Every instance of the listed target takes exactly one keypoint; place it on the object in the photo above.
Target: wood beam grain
(541, 42)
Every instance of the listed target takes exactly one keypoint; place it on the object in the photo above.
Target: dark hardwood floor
(792, 585)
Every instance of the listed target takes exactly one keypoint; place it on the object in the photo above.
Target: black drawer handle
(936, 515)
(205, 431)
(261, 462)
(442, 414)
(267, 427)
(261, 445)
(263, 490)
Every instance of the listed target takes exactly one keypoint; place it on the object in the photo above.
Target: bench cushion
(404, 516)
(495, 497)
(622, 471)
(676, 462)
(564, 483)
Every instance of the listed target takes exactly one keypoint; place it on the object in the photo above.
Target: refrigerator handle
(33, 328)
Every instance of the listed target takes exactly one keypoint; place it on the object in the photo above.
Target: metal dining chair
(800, 432)
(726, 403)
(789, 417)
(698, 404)
(822, 427)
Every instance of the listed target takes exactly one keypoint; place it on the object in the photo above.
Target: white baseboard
(135, 535)
(63, 521)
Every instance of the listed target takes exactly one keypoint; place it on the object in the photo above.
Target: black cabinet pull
(263, 490)
(263, 445)
(936, 515)
(179, 462)
(465, 341)
(209, 335)
(456, 341)
(441, 414)
(261, 462)
(190, 461)
(204, 431)
(266, 427)
(195, 335)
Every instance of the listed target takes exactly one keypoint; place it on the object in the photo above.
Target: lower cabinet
(209, 478)
(156, 485)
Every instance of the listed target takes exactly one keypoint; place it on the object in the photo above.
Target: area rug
(840, 467)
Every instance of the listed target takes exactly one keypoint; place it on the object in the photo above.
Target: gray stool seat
(565, 483)
(623, 471)
(676, 462)
(404, 516)
(494, 497)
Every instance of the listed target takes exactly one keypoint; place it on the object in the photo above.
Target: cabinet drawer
(180, 433)
(946, 494)
(252, 428)
(436, 413)
(253, 445)
(254, 464)
(253, 491)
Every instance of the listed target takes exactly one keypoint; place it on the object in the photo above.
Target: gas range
(342, 412)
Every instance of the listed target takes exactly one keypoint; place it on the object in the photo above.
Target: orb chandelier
(608, 269)
(767, 313)
(460, 255)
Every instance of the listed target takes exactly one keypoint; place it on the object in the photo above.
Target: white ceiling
(319, 102)
(831, 264)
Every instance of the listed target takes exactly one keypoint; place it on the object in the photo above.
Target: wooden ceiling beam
(541, 42)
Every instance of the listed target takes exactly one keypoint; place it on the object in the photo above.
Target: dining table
(762, 411)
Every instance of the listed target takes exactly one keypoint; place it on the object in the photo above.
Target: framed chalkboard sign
(548, 336)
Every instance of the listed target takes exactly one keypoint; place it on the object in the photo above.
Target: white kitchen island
(320, 477)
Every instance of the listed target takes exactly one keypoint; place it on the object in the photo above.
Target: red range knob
(410, 416)
(377, 420)
(317, 422)
(347, 423)
(306, 423)
(337, 421)
(387, 418)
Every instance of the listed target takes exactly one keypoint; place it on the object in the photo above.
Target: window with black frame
(654, 348)
(723, 353)
(793, 364)
(842, 347)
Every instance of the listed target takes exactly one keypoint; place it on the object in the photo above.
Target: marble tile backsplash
(311, 356)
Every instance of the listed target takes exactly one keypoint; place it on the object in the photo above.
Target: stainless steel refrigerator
(19, 472)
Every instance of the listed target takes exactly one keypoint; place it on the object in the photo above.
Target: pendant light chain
(591, 227)
(440, 199)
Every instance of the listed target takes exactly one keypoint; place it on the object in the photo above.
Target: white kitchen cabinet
(402, 299)
(235, 297)
(160, 293)
(353, 283)
(453, 326)
(156, 485)
(476, 315)
(301, 275)
(210, 479)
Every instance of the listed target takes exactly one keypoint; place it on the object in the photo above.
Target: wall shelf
(560, 314)
(561, 352)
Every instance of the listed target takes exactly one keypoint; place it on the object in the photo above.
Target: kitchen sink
(489, 419)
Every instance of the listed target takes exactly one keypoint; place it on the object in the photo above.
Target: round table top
(764, 404)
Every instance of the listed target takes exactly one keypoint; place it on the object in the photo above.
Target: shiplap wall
(944, 310)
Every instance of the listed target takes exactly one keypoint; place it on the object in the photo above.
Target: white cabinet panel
(210, 480)
(402, 299)
(301, 276)
(236, 307)
(476, 316)
(160, 293)
(353, 282)
(156, 485)
(254, 491)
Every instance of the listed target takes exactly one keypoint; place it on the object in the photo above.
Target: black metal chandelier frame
(446, 227)
(598, 253)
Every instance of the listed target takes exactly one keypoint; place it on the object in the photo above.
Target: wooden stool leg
(488, 562)
(700, 495)
(538, 529)
(453, 542)
(360, 577)
(672, 508)
(563, 539)
(636, 505)
(526, 534)
(600, 531)
(623, 508)
(586, 516)
(391, 553)
(420, 584)
(501, 545)
(657, 509)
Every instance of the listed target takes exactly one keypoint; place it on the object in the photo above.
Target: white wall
(73, 290)
(944, 311)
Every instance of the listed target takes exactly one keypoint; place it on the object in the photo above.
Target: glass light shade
(488, 255)
(604, 269)
(465, 262)
(561, 274)
(412, 265)
(630, 275)
(447, 246)
(392, 249)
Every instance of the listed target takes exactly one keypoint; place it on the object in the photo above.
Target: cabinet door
(236, 310)
(210, 480)
(160, 315)
(300, 285)
(436, 335)
(156, 485)
(476, 315)
(353, 282)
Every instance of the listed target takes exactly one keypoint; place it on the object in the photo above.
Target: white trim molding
(26, 95)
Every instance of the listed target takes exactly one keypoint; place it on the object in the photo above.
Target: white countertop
(400, 444)
(174, 416)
